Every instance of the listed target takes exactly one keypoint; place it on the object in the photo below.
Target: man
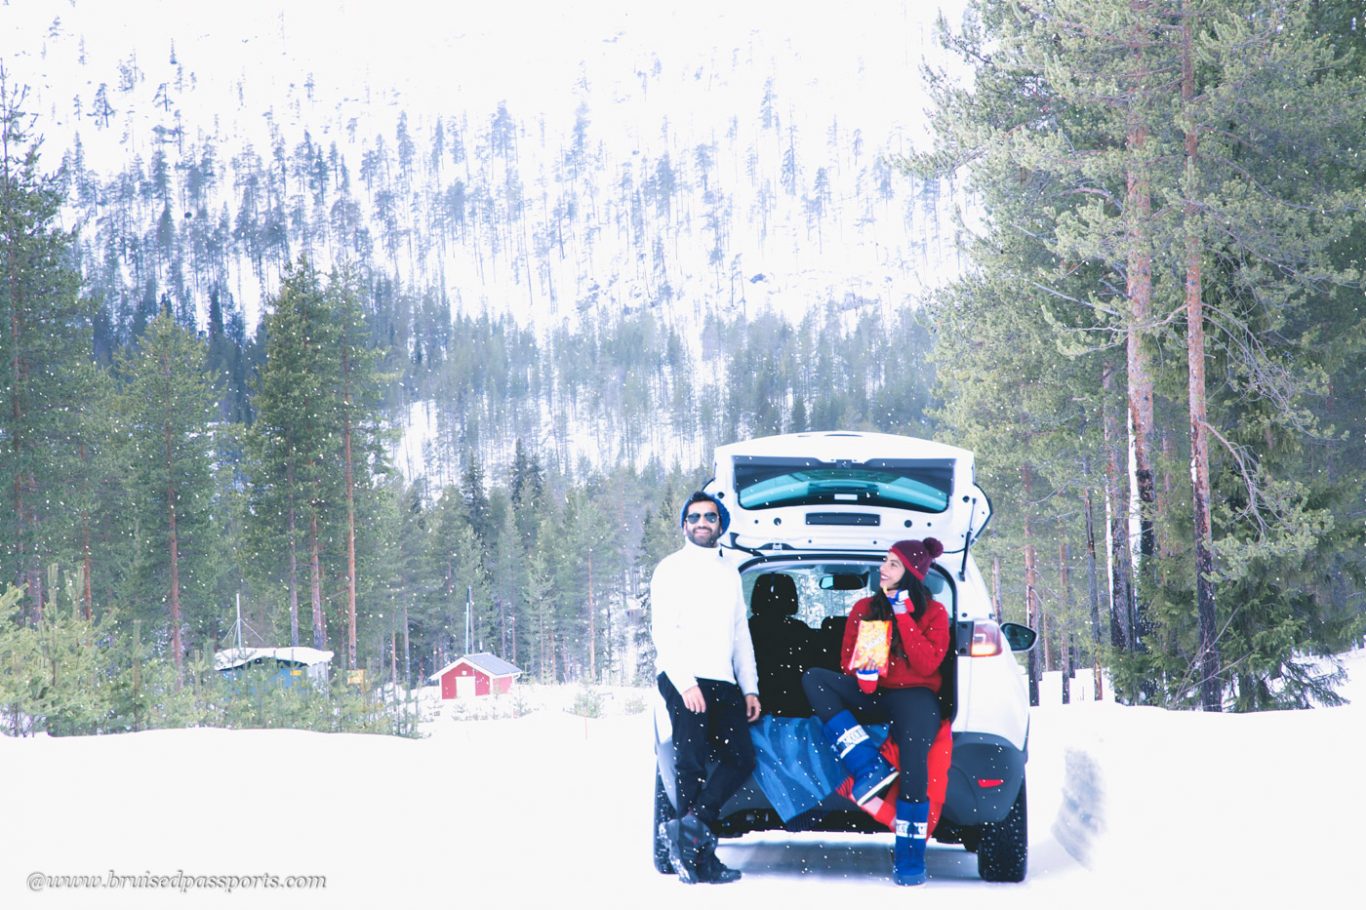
(708, 679)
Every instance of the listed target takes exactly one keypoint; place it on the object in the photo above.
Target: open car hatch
(855, 491)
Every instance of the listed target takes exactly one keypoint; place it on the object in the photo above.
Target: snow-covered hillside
(781, 114)
(567, 166)
(552, 809)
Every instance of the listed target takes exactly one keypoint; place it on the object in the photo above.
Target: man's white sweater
(699, 620)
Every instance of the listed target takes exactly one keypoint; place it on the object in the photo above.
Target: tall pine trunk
(87, 559)
(1065, 631)
(293, 581)
(23, 522)
(1093, 583)
(407, 650)
(11, 246)
(174, 543)
(996, 611)
(350, 507)
(315, 581)
(592, 626)
(1139, 290)
(1031, 579)
(1121, 573)
(1211, 691)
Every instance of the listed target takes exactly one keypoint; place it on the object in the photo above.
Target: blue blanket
(795, 766)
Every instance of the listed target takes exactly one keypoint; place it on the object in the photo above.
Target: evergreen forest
(301, 380)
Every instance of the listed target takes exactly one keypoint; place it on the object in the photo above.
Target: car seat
(830, 642)
(782, 645)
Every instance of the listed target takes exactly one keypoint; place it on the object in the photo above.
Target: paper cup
(867, 681)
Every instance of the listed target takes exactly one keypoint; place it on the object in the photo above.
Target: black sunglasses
(710, 518)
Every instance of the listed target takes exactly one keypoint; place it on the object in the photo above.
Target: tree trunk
(1093, 585)
(1211, 691)
(1065, 638)
(1031, 581)
(349, 480)
(592, 626)
(996, 589)
(1121, 572)
(293, 581)
(502, 625)
(87, 561)
(22, 479)
(176, 648)
(407, 650)
(1139, 289)
(315, 582)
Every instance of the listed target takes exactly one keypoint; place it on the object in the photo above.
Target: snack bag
(872, 645)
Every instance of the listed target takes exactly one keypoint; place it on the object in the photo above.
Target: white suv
(812, 515)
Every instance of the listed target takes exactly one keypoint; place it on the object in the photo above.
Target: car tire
(664, 812)
(1003, 849)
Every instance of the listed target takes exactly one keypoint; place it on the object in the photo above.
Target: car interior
(785, 645)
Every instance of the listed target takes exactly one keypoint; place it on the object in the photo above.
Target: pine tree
(295, 440)
(1070, 132)
(47, 372)
(168, 413)
(359, 414)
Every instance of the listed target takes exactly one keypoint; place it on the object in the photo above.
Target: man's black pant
(913, 715)
(720, 732)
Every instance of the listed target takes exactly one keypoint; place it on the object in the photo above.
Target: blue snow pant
(721, 732)
(912, 715)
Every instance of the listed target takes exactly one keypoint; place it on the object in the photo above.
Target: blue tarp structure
(290, 665)
(795, 766)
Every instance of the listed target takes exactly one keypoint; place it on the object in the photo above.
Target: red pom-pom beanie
(916, 555)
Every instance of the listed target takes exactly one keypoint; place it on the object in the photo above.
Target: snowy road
(551, 810)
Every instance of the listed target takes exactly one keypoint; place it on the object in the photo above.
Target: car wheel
(1003, 849)
(664, 812)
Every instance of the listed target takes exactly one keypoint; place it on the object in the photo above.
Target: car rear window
(831, 588)
(920, 485)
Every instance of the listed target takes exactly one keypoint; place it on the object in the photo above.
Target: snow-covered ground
(550, 809)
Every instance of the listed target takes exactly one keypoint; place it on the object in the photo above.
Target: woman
(906, 696)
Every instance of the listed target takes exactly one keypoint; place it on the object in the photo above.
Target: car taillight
(986, 639)
(987, 783)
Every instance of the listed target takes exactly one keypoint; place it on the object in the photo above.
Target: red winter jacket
(925, 642)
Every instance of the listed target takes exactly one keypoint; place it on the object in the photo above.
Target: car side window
(831, 589)
(942, 589)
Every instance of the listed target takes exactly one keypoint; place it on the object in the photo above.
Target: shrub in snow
(588, 702)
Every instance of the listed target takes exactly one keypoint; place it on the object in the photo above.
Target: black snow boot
(712, 871)
(689, 837)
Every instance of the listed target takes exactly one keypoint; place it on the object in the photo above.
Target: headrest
(774, 595)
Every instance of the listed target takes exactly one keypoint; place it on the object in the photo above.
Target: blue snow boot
(859, 756)
(912, 830)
